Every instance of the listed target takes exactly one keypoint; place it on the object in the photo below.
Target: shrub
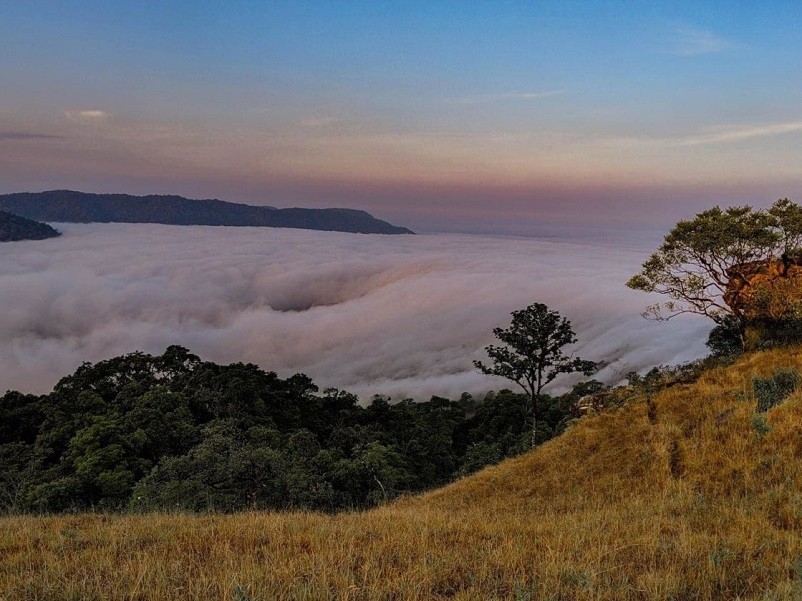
(770, 392)
(760, 426)
(724, 340)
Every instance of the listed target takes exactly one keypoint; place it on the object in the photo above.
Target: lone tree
(698, 258)
(532, 354)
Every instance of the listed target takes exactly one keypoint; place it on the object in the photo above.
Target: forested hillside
(689, 492)
(14, 228)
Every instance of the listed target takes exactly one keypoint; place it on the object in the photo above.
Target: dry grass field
(699, 502)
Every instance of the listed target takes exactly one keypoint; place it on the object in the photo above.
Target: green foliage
(15, 474)
(663, 376)
(760, 426)
(766, 333)
(724, 340)
(223, 472)
(105, 460)
(770, 392)
(788, 221)
(479, 455)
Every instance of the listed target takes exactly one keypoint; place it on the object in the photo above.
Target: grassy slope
(693, 506)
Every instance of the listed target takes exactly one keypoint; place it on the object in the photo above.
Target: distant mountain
(14, 228)
(82, 207)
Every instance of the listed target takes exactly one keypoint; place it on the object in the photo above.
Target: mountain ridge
(69, 206)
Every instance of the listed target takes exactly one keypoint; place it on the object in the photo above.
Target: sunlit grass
(698, 505)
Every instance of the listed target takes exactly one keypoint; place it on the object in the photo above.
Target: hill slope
(699, 499)
(14, 228)
(81, 207)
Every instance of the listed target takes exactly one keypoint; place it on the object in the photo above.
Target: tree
(788, 220)
(532, 355)
(698, 257)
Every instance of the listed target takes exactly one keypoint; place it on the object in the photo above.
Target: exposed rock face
(766, 289)
(591, 404)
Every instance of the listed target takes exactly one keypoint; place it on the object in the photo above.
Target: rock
(725, 415)
(590, 403)
(766, 289)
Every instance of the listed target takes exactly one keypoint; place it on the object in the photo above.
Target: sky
(440, 116)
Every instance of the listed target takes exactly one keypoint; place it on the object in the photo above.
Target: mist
(393, 315)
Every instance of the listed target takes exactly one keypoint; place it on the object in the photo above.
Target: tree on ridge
(532, 355)
(700, 258)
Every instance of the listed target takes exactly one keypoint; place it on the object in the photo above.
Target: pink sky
(434, 115)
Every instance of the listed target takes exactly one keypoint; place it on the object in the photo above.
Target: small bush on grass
(770, 392)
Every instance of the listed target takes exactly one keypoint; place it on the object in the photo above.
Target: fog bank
(396, 315)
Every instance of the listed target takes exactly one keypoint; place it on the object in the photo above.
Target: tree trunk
(534, 421)
(742, 334)
(384, 492)
(534, 432)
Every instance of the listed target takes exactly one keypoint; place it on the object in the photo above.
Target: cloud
(689, 41)
(738, 133)
(397, 315)
(22, 135)
(509, 96)
(87, 116)
(714, 134)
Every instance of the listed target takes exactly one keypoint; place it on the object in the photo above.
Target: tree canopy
(698, 258)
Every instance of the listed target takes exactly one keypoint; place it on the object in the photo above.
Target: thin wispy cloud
(24, 135)
(715, 134)
(509, 96)
(738, 133)
(87, 116)
(689, 41)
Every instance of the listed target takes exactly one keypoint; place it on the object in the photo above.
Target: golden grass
(694, 506)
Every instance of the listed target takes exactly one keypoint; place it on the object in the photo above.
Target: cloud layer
(401, 315)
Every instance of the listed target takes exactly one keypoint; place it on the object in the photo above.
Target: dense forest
(14, 228)
(142, 432)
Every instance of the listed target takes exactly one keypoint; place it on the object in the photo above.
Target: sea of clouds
(395, 315)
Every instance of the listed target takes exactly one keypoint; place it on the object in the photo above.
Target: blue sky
(472, 116)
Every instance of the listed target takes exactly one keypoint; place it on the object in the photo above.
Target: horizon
(440, 117)
(544, 229)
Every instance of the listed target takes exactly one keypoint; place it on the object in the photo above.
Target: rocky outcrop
(766, 289)
(591, 404)
(766, 296)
